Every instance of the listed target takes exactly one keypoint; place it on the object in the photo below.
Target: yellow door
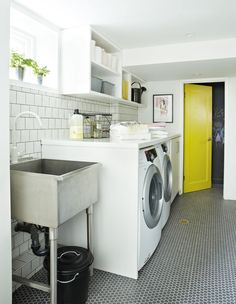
(197, 137)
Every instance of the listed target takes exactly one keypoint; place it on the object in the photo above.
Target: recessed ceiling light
(189, 35)
(197, 74)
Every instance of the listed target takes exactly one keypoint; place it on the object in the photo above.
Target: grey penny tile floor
(194, 263)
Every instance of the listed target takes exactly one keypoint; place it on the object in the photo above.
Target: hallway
(194, 262)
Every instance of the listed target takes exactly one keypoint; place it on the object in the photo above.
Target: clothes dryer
(163, 151)
(150, 204)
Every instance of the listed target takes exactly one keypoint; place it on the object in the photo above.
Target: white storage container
(108, 88)
(98, 54)
(114, 63)
(93, 44)
(96, 84)
(109, 59)
(104, 57)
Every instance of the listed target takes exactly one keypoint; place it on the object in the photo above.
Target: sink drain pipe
(34, 231)
(52, 288)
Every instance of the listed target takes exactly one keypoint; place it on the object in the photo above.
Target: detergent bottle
(76, 125)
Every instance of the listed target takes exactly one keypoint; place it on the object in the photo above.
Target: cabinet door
(75, 60)
(175, 166)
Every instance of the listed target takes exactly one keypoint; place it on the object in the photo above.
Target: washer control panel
(151, 154)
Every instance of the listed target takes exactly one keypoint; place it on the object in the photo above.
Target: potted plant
(39, 72)
(19, 62)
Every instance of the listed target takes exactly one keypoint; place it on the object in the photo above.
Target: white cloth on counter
(159, 135)
(130, 130)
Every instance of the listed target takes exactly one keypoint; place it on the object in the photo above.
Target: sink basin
(48, 192)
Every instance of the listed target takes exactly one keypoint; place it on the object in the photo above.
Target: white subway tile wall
(54, 110)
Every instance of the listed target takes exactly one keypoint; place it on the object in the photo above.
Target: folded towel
(129, 131)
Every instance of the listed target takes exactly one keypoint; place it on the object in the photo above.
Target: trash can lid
(71, 259)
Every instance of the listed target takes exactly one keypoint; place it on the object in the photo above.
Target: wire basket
(97, 125)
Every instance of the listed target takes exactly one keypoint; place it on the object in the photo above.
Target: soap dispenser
(76, 125)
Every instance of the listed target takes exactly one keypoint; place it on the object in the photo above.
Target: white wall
(146, 113)
(176, 88)
(5, 236)
(162, 87)
(230, 140)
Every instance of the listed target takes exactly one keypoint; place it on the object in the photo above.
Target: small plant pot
(20, 73)
(40, 80)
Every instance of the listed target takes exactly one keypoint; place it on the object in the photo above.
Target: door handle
(209, 139)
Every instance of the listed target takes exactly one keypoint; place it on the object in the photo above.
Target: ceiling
(219, 68)
(132, 24)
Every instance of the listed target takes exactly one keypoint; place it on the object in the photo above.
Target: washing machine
(150, 204)
(163, 152)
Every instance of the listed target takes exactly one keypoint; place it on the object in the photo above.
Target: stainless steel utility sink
(49, 192)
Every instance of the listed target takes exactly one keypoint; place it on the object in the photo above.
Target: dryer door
(167, 177)
(152, 196)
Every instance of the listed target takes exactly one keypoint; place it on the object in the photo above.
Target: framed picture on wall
(163, 108)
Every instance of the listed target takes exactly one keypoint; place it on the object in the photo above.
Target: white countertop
(106, 142)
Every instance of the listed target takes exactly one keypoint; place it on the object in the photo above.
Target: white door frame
(5, 219)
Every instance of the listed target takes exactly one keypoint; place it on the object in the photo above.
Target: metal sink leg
(89, 212)
(53, 264)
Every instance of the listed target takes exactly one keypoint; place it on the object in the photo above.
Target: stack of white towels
(132, 130)
(129, 130)
(158, 130)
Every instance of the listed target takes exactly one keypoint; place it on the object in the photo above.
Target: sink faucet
(14, 152)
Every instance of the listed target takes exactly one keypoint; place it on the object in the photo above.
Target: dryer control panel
(151, 154)
(164, 148)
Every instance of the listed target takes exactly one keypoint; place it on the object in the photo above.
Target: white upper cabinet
(90, 65)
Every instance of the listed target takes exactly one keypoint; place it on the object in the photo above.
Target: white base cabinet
(175, 161)
(115, 213)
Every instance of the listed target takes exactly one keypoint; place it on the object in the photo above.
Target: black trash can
(72, 274)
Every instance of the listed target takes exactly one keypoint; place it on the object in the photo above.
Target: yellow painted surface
(197, 137)
(125, 89)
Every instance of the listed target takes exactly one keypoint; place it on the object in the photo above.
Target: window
(35, 39)
(22, 42)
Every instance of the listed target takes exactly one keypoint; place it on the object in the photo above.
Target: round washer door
(152, 196)
(167, 177)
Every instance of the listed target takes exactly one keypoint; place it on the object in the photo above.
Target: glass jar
(88, 127)
(97, 132)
